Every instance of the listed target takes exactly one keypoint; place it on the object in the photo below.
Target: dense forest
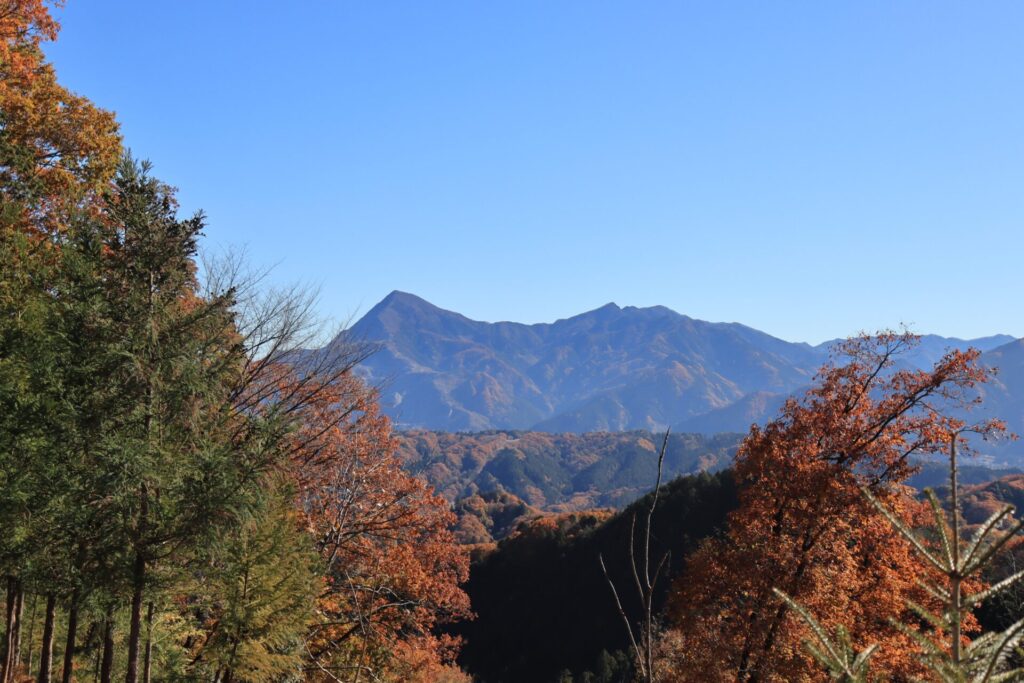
(186, 493)
(180, 500)
(558, 472)
(550, 567)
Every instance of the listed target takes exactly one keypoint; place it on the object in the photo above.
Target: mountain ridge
(614, 368)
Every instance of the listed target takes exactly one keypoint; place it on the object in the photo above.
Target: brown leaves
(392, 563)
(804, 527)
(74, 145)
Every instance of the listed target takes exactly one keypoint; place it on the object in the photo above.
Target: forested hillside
(557, 472)
(550, 568)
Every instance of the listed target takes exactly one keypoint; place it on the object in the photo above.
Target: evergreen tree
(172, 472)
(257, 594)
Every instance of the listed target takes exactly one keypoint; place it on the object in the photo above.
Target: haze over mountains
(610, 369)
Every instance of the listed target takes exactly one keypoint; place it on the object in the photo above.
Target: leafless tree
(642, 638)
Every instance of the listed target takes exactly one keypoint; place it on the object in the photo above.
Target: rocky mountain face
(610, 369)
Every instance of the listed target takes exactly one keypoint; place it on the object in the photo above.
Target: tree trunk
(135, 630)
(138, 585)
(147, 662)
(12, 643)
(46, 651)
(31, 634)
(955, 588)
(18, 621)
(8, 629)
(69, 647)
(107, 665)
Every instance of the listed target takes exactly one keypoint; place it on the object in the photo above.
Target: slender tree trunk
(12, 643)
(69, 647)
(8, 629)
(31, 633)
(46, 651)
(955, 580)
(147, 661)
(135, 629)
(18, 622)
(107, 664)
(138, 586)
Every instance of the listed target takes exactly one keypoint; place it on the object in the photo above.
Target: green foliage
(122, 458)
(257, 592)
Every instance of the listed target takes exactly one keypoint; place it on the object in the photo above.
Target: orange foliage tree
(392, 565)
(804, 526)
(49, 136)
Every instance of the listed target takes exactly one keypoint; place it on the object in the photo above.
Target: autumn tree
(48, 135)
(804, 527)
(56, 151)
(392, 566)
(958, 562)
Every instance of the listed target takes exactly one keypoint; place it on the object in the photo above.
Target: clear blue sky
(807, 168)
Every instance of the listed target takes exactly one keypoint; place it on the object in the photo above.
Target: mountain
(610, 369)
(982, 500)
(1003, 398)
(931, 348)
(484, 518)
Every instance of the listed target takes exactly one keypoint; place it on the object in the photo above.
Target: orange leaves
(393, 565)
(74, 145)
(804, 527)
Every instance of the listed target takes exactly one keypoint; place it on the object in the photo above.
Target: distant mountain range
(611, 369)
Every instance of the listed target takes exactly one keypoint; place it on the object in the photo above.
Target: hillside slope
(558, 472)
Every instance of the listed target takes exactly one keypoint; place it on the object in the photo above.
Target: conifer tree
(258, 592)
(171, 471)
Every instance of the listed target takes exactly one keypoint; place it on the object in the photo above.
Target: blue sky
(811, 169)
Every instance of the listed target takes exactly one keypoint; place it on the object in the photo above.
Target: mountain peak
(609, 308)
(398, 297)
(404, 311)
(404, 304)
